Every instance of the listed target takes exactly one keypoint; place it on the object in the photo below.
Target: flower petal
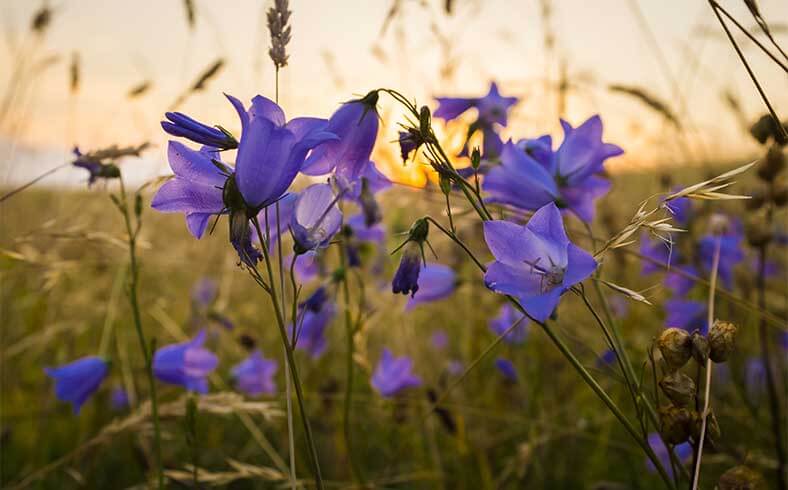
(179, 195)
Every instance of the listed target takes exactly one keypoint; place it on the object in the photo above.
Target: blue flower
(314, 316)
(535, 263)
(681, 209)
(659, 251)
(255, 375)
(76, 381)
(406, 279)
(677, 281)
(507, 369)
(754, 377)
(119, 399)
(364, 233)
(439, 339)
(507, 316)
(186, 364)
(275, 228)
(607, 358)
(96, 169)
(435, 282)
(183, 126)
(272, 151)
(731, 253)
(688, 315)
(316, 218)
(356, 125)
(409, 142)
(307, 266)
(532, 175)
(394, 375)
(682, 452)
(204, 292)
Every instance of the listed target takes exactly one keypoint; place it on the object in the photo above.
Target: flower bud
(445, 183)
(675, 346)
(722, 336)
(679, 388)
(676, 424)
(740, 478)
(425, 121)
(700, 348)
(476, 158)
(773, 164)
(780, 194)
(713, 432)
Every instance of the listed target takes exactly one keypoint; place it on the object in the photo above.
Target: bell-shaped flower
(535, 263)
(687, 315)
(76, 381)
(268, 217)
(356, 124)
(507, 369)
(255, 375)
(731, 254)
(435, 282)
(186, 364)
(393, 375)
(508, 316)
(682, 452)
(658, 254)
(316, 218)
(183, 126)
(314, 316)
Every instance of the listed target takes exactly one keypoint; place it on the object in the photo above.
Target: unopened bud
(476, 158)
(740, 478)
(722, 338)
(676, 347)
(676, 424)
(700, 348)
(679, 388)
(425, 120)
(419, 231)
(773, 164)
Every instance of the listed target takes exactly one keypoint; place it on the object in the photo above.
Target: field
(565, 321)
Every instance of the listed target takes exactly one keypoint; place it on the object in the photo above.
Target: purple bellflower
(682, 452)
(439, 339)
(96, 169)
(435, 282)
(687, 315)
(186, 364)
(119, 399)
(607, 358)
(183, 126)
(731, 254)
(507, 369)
(659, 251)
(255, 375)
(393, 375)
(307, 266)
(677, 280)
(76, 381)
(508, 316)
(275, 228)
(204, 292)
(568, 176)
(356, 124)
(316, 218)
(535, 263)
(315, 314)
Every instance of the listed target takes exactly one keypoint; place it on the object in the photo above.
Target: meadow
(560, 324)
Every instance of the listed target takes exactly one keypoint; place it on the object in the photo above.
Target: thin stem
(313, 458)
(750, 36)
(706, 396)
(19, 189)
(135, 309)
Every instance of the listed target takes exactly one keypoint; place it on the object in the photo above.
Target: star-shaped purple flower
(535, 263)
(394, 375)
(255, 375)
(186, 364)
(507, 316)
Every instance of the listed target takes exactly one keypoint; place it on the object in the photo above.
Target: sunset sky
(339, 50)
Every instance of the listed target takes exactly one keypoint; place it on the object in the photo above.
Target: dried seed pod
(700, 348)
(676, 424)
(679, 388)
(713, 432)
(676, 347)
(758, 233)
(722, 337)
(773, 164)
(740, 478)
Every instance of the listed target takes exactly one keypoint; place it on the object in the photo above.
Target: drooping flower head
(255, 375)
(493, 110)
(406, 279)
(314, 316)
(316, 218)
(394, 375)
(435, 282)
(507, 369)
(532, 175)
(687, 315)
(77, 380)
(186, 364)
(535, 263)
(183, 126)
(682, 452)
(508, 316)
(356, 125)
(95, 167)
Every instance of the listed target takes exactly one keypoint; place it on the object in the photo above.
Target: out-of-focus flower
(682, 452)
(493, 110)
(507, 316)
(183, 126)
(681, 209)
(204, 292)
(95, 167)
(754, 376)
(607, 358)
(659, 251)
(409, 142)
(316, 219)
(687, 315)
(439, 339)
(197, 189)
(119, 399)
(619, 306)
(535, 263)
(275, 228)
(356, 125)
(530, 180)
(186, 364)
(677, 281)
(406, 279)
(307, 266)
(731, 253)
(77, 380)
(363, 233)
(435, 282)
(455, 367)
(394, 375)
(255, 375)
(314, 316)
(507, 369)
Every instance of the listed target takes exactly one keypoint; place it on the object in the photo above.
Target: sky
(340, 49)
